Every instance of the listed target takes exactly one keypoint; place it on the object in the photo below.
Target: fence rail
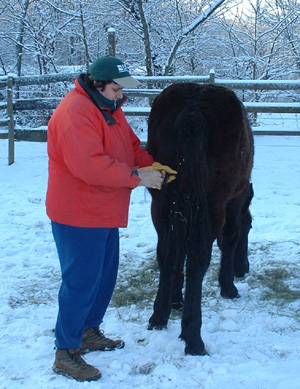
(11, 106)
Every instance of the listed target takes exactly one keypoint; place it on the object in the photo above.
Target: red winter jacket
(91, 164)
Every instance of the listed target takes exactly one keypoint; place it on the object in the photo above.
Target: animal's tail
(193, 174)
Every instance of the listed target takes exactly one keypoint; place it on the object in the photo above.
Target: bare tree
(287, 14)
(166, 24)
(167, 37)
(21, 32)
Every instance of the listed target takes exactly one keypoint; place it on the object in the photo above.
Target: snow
(253, 342)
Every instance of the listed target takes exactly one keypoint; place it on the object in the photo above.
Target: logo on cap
(122, 68)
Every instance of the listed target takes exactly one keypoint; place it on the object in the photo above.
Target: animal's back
(202, 131)
(219, 106)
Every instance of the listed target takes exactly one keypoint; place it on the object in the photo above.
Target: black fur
(202, 131)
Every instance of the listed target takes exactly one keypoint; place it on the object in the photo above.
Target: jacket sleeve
(141, 157)
(83, 153)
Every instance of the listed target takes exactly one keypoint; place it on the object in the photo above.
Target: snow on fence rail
(12, 105)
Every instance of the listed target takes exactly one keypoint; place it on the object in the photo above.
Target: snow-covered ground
(253, 342)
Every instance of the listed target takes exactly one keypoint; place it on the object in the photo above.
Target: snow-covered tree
(254, 39)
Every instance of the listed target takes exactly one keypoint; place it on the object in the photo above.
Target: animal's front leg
(234, 243)
(162, 304)
(227, 245)
(240, 262)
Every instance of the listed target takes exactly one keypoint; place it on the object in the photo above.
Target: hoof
(177, 306)
(241, 270)
(240, 274)
(230, 293)
(229, 297)
(157, 323)
(158, 327)
(192, 350)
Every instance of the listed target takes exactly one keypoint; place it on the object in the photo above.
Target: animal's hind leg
(229, 241)
(162, 304)
(170, 257)
(192, 315)
(177, 298)
(168, 264)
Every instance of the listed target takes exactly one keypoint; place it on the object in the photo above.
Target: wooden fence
(11, 106)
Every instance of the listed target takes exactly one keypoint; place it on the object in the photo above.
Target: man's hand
(150, 178)
(159, 168)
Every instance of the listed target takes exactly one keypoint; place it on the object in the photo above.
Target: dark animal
(202, 131)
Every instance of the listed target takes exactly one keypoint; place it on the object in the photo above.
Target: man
(94, 162)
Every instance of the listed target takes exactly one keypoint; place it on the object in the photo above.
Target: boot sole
(65, 374)
(85, 350)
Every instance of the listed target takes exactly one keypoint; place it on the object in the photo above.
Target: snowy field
(253, 342)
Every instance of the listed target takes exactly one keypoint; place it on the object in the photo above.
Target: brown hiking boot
(94, 339)
(69, 362)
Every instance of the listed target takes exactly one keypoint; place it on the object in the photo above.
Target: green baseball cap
(112, 68)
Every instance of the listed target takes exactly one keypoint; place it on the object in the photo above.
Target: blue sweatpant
(89, 260)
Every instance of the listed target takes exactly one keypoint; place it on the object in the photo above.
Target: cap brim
(127, 82)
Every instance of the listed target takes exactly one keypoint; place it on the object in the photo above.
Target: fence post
(112, 42)
(11, 124)
(212, 76)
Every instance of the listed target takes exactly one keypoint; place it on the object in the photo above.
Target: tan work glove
(163, 169)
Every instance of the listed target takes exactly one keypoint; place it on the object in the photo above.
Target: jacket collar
(107, 107)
